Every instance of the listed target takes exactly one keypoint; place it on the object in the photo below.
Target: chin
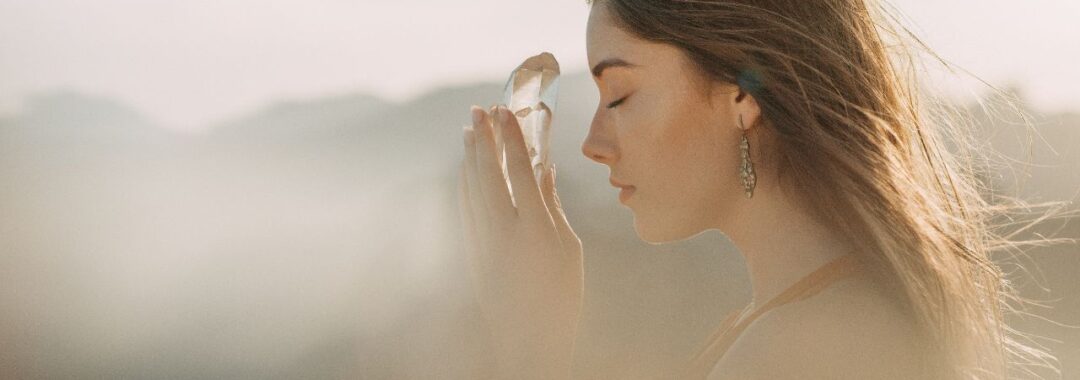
(652, 233)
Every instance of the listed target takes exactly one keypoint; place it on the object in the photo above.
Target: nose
(600, 145)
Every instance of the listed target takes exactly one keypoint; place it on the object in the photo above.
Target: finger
(519, 166)
(554, 207)
(465, 211)
(500, 208)
(477, 208)
(473, 254)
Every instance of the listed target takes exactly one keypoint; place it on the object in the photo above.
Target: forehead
(605, 40)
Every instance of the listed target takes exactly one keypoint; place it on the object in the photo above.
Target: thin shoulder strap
(811, 284)
(722, 338)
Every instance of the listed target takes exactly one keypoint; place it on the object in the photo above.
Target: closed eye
(617, 102)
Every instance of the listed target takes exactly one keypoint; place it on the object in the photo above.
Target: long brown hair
(854, 138)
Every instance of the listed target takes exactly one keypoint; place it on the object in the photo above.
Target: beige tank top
(706, 357)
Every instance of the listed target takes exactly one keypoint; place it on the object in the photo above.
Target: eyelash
(617, 102)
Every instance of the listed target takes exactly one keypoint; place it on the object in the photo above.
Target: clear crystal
(530, 93)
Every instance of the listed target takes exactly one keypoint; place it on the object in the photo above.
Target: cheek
(678, 158)
(688, 152)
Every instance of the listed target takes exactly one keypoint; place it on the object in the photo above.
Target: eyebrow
(598, 70)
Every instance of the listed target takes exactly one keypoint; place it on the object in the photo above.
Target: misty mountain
(292, 120)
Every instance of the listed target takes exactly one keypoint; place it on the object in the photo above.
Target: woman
(789, 127)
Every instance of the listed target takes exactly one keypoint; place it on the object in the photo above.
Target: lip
(627, 190)
(625, 194)
(617, 183)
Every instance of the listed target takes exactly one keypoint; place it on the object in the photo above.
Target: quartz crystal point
(530, 94)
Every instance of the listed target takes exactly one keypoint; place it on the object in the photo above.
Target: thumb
(554, 206)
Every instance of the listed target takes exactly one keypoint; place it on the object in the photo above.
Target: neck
(780, 243)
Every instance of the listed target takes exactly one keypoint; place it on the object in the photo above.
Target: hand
(526, 260)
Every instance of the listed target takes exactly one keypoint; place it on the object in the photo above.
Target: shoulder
(851, 330)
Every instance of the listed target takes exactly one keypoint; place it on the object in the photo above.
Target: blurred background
(267, 189)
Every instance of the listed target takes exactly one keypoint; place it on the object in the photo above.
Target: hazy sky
(189, 63)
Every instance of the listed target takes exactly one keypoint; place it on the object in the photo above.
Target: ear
(733, 102)
(746, 107)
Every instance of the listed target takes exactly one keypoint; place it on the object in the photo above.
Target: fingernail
(477, 114)
(498, 114)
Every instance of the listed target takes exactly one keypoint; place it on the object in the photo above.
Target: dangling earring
(746, 169)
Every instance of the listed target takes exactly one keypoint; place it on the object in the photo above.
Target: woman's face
(669, 135)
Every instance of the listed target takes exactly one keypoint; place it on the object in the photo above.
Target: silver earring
(746, 169)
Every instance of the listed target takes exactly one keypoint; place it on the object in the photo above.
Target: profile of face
(662, 128)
